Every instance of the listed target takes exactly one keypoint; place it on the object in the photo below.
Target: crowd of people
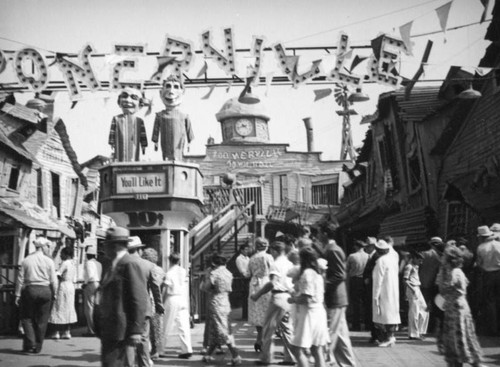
(303, 289)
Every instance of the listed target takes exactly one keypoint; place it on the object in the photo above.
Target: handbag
(439, 301)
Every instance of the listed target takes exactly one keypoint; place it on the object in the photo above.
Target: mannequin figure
(127, 136)
(172, 126)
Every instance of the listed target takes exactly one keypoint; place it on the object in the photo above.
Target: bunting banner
(420, 70)
(321, 93)
(229, 85)
(486, 4)
(269, 80)
(405, 32)
(202, 71)
(442, 13)
(356, 61)
(210, 91)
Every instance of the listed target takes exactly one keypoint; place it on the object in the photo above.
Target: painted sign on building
(134, 183)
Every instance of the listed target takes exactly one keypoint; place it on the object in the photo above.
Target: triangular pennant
(163, 62)
(207, 96)
(269, 79)
(229, 85)
(321, 93)
(356, 61)
(405, 31)
(485, 3)
(442, 13)
(420, 70)
(203, 70)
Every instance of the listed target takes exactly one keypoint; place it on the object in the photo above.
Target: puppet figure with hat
(127, 135)
(172, 126)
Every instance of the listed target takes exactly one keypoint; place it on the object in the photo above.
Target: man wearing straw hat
(35, 289)
(124, 306)
(488, 260)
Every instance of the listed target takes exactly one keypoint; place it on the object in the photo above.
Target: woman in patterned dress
(259, 267)
(459, 336)
(63, 311)
(217, 284)
(311, 330)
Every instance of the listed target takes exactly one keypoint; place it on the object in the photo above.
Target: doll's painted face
(129, 100)
(171, 93)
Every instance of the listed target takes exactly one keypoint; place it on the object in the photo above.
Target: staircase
(221, 229)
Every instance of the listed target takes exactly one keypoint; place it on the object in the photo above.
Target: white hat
(91, 250)
(135, 242)
(382, 245)
(322, 264)
(495, 227)
(371, 240)
(41, 241)
(484, 231)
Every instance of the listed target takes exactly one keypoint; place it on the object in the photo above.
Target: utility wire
(360, 21)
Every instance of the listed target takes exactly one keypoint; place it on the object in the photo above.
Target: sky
(67, 26)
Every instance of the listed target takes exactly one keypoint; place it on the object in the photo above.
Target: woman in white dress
(311, 327)
(259, 268)
(63, 311)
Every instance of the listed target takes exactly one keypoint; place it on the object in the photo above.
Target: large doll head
(129, 100)
(172, 91)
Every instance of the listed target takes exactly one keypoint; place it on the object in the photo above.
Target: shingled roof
(423, 102)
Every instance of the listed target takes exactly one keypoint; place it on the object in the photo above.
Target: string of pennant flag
(177, 58)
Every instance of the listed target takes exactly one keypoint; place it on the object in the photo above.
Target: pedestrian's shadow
(87, 357)
(14, 352)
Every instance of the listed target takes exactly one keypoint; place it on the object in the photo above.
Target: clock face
(244, 127)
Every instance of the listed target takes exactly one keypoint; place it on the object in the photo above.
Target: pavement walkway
(84, 351)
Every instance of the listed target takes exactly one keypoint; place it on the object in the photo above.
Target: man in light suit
(124, 307)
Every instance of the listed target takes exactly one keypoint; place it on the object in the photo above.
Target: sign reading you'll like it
(133, 183)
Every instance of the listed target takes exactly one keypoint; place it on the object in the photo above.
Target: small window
(283, 187)
(14, 178)
(325, 194)
(56, 194)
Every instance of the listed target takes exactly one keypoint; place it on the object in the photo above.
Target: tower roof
(234, 108)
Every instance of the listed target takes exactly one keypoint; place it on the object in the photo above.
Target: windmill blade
(340, 94)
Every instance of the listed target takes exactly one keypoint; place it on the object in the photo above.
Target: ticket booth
(157, 201)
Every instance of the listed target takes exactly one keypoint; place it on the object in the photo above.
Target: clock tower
(243, 122)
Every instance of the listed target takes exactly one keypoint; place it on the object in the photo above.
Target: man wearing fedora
(488, 260)
(35, 289)
(124, 306)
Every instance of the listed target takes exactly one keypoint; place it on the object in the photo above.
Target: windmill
(343, 96)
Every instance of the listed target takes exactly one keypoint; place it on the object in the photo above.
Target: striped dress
(127, 136)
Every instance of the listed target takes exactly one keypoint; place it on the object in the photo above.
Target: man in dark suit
(124, 307)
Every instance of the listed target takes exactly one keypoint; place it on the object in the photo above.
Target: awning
(15, 212)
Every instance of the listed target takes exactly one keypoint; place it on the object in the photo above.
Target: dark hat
(278, 246)
(117, 234)
(261, 243)
(360, 243)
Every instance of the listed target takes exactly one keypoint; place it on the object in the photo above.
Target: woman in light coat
(386, 293)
